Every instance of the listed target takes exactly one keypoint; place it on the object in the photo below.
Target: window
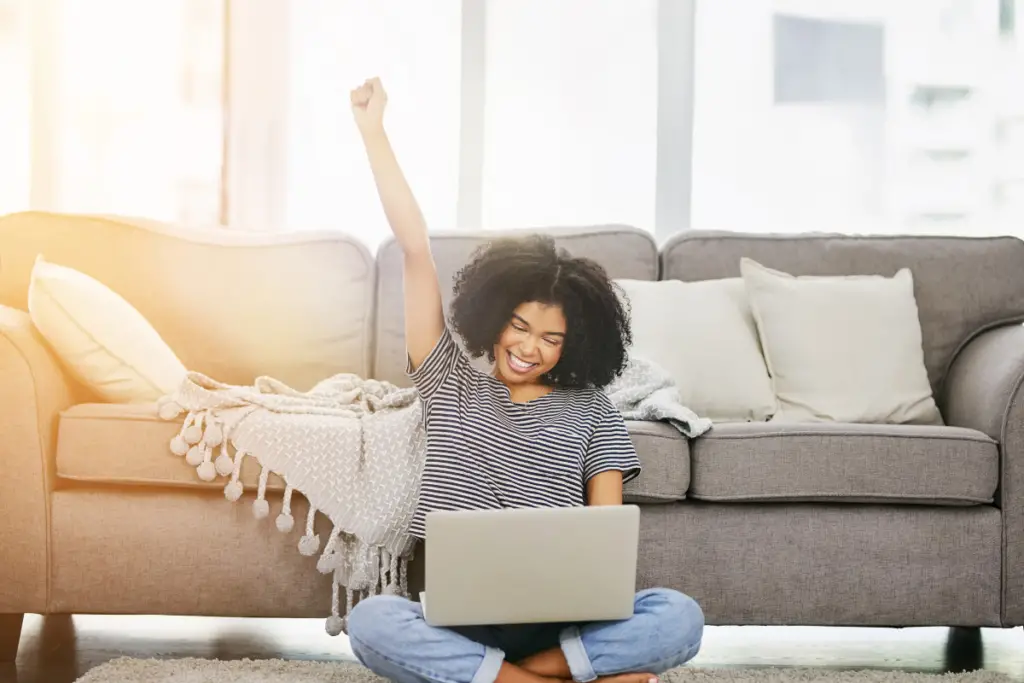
(571, 113)
(335, 45)
(561, 97)
(821, 61)
(15, 114)
(856, 116)
(109, 120)
(780, 115)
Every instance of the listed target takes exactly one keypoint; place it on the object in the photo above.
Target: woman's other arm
(605, 488)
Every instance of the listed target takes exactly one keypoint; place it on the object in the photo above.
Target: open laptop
(531, 565)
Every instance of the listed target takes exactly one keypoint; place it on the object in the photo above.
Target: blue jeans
(390, 637)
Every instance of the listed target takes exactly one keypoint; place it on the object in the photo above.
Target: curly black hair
(511, 271)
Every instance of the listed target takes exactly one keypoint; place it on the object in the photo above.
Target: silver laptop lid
(531, 565)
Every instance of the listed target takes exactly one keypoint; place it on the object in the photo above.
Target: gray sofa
(812, 524)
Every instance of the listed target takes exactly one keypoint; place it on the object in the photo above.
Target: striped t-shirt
(485, 452)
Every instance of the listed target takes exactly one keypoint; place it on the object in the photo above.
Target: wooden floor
(60, 649)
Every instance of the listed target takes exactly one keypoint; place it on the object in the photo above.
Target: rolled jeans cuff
(488, 670)
(576, 655)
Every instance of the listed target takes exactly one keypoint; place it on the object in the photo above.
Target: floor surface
(59, 649)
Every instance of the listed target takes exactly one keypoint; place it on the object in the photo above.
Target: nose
(528, 346)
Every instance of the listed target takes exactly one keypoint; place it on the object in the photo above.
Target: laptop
(523, 566)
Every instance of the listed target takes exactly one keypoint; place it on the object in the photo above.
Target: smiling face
(531, 344)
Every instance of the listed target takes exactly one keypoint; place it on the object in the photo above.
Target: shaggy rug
(126, 670)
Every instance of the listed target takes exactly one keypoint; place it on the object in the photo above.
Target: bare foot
(550, 667)
(629, 678)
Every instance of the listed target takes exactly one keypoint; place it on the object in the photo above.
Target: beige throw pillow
(844, 349)
(99, 337)
(703, 335)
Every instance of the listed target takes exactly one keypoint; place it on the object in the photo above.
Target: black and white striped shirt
(485, 452)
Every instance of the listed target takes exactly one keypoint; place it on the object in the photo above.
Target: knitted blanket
(645, 391)
(353, 448)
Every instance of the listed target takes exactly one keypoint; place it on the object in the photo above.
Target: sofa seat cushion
(665, 461)
(842, 462)
(129, 444)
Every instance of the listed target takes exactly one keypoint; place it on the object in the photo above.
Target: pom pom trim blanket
(354, 448)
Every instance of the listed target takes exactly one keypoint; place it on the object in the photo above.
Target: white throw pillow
(842, 348)
(703, 335)
(99, 337)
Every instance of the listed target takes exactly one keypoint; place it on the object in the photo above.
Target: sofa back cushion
(231, 304)
(625, 252)
(962, 285)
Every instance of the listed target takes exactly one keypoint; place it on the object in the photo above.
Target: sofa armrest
(983, 391)
(33, 392)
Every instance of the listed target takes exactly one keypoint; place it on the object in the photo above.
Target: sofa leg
(964, 650)
(10, 634)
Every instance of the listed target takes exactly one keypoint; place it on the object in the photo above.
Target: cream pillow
(99, 337)
(844, 349)
(703, 335)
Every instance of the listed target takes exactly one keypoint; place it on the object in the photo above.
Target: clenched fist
(368, 102)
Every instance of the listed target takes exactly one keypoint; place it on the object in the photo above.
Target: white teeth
(519, 363)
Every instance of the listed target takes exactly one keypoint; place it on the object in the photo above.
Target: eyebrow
(546, 334)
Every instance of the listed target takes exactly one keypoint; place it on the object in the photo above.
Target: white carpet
(126, 670)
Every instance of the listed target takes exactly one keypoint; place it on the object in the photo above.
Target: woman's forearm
(400, 207)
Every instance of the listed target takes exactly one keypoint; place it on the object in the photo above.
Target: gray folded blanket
(645, 391)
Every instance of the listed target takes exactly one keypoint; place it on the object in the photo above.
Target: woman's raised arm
(424, 316)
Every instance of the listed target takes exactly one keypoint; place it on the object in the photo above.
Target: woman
(537, 432)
